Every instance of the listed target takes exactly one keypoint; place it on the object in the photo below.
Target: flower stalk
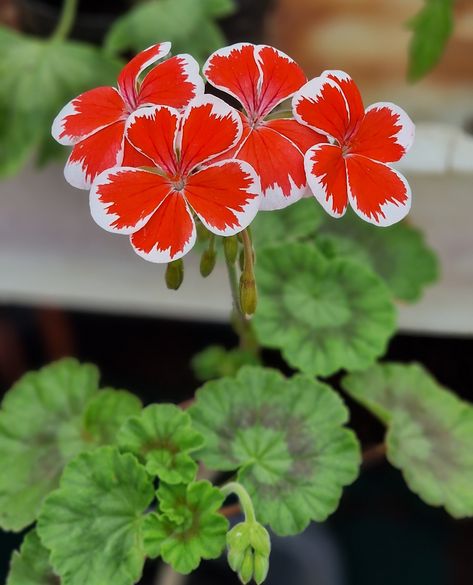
(66, 20)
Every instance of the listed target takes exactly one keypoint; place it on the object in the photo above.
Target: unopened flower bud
(261, 568)
(207, 262)
(230, 247)
(248, 293)
(174, 274)
(246, 570)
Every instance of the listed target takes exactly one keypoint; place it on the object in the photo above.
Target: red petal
(210, 127)
(327, 177)
(281, 77)
(377, 193)
(234, 70)
(169, 234)
(123, 198)
(352, 96)
(274, 151)
(87, 113)
(134, 158)
(321, 105)
(95, 154)
(385, 134)
(128, 78)
(152, 131)
(172, 83)
(225, 196)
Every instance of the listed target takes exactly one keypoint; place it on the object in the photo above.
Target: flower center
(178, 183)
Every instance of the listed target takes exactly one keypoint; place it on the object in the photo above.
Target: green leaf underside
(398, 253)
(40, 424)
(286, 438)
(30, 565)
(429, 432)
(38, 78)
(188, 24)
(293, 223)
(163, 436)
(187, 527)
(323, 314)
(431, 27)
(216, 361)
(93, 523)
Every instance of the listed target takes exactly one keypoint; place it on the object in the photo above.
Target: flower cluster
(157, 153)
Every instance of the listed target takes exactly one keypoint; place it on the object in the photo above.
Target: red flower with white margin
(260, 78)
(354, 166)
(153, 204)
(94, 122)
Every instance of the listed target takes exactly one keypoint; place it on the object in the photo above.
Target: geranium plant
(103, 483)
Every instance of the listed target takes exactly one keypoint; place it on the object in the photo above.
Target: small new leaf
(162, 435)
(215, 362)
(429, 432)
(323, 314)
(30, 565)
(431, 28)
(287, 440)
(187, 527)
(93, 523)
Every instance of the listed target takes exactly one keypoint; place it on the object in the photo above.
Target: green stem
(66, 20)
(248, 248)
(233, 487)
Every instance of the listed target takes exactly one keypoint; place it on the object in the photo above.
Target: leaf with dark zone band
(287, 440)
(429, 432)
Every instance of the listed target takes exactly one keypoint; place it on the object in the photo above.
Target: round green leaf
(430, 432)
(107, 412)
(30, 565)
(287, 439)
(399, 254)
(40, 424)
(324, 315)
(188, 527)
(292, 223)
(163, 436)
(93, 523)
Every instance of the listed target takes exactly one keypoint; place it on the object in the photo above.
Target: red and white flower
(354, 166)
(154, 204)
(261, 77)
(94, 122)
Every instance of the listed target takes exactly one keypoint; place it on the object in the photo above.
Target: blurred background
(69, 288)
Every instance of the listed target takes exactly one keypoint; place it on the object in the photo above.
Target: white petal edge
(148, 112)
(251, 208)
(315, 185)
(69, 109)
(405, 136)
(311, 91)
(163, 256)
(220, 109)
(393, 212)
(99, 210)
(225, 52)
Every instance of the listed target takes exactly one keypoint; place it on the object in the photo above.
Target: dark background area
(381, 534)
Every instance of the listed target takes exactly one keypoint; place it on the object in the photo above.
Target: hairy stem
(233, 487)
(66, 20)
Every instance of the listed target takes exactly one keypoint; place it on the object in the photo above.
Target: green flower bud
(246, 570)
(248, 293)
(174, 274)
(203, 233)
(261, 568)
(230, 247)
(207, 262)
